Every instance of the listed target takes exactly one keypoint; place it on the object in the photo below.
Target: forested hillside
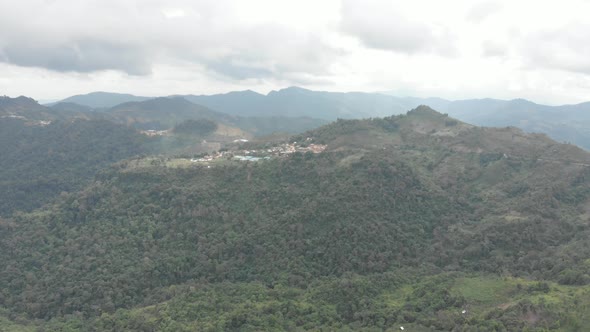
(417, 220)
(49, 150)
(38, 162)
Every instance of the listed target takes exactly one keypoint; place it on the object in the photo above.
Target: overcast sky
(539, 50)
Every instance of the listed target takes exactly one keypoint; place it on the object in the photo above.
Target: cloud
(494, 49)
(86, 55)
(482, 10)
(134, 36)
(173, 12)
(381, 24)
(267, 50)
(238, 69)
(565, 48)
(452, 49)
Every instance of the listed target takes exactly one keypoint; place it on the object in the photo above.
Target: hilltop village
(38, 123)
(261, 154)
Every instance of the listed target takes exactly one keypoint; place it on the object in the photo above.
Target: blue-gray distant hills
(101, 99)
(295, 101)
(567, 123)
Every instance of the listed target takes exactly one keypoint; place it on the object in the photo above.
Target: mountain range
(101, 99)
(566, 123)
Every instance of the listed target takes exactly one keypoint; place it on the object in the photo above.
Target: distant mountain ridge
(26, 108)
(566, 123)
(151, 113)
(162, 112)
(102, 99)
(166, 112)
(69, 106)
(19, 106)
(569, 123)
(295, 101)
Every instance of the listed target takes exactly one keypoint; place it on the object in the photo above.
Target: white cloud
(388, 25)
(173, 12)
(452, 49)
(493, 48)
(566, 48)
(482, 10)
(101, 35)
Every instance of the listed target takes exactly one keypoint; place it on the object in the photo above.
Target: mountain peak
(246, 92)
(102, 99)
(26, 99)
(21, 102)
(424, 110)
(521, 101)
(291, 90)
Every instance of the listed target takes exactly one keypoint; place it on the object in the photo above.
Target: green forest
(417, 221)
(39, 162)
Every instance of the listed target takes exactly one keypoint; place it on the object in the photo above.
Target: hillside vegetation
(38, 163)
(416, 220)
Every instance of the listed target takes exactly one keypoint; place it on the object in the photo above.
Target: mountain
(245, 103)
(24, 108)
(295, 101)
(417, 220)
(162, 113)
(289, 102)
(28, 109)
(567, 123)
(102, 99)
(18, 105)
(49, 150)
(166, 112)
(72, 107)
(268, 125)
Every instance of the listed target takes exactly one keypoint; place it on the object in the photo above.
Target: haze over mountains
(295, 109)
(101, 99)
(566, 123)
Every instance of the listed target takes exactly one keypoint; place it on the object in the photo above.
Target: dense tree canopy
(417, 221)
(39, 162)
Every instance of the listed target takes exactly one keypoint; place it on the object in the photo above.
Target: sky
(454, 49)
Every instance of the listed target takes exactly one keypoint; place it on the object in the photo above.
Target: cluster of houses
(207, 158)
(40, 123)
(294, 147)
(261, 154)
(13, 116)
(152, 132)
